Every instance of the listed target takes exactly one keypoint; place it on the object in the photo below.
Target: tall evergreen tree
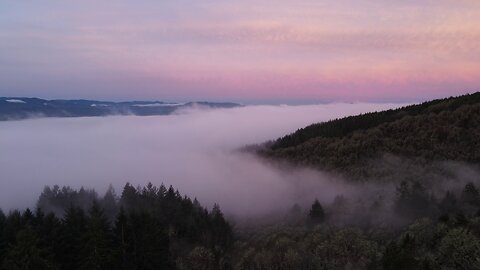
(150, 242)
(220, 227)
(109, 203)
(97, 249)
(71, 238)
(316, 214)
(122, 241)
(129, 198)
(47, 228)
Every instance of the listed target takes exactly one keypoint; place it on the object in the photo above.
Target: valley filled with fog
(193, 150)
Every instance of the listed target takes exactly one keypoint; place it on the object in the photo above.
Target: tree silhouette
(97, 246)
(316, 213)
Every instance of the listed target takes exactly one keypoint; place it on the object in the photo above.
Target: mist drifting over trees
(193, 150)
(397, 189)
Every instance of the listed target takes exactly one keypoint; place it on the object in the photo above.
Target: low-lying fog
(191, 150)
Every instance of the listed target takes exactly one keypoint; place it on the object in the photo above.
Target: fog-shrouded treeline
(390, 190)
(421, 231)
(157, 228)
(192, 150)
(145, 228)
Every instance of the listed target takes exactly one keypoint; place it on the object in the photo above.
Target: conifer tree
(71, 238)
(316, 214)
(109, 203)
(122, 241)
(97, 246)
(221, 229)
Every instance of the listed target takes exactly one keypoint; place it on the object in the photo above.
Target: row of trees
(157, 228)
(410, 201)
(146, 228)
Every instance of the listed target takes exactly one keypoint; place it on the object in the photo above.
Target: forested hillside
(440, 130)
(425, 151)
(407, 223)
(156, 228)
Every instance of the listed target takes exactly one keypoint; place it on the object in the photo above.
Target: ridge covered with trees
(439, 130)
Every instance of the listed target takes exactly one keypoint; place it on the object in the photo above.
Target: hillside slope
(439, 130)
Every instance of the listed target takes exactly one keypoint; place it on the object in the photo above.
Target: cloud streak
(213, 48)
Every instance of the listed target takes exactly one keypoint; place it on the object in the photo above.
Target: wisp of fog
(191, 150)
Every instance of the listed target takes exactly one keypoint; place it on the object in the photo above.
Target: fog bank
(191, 150)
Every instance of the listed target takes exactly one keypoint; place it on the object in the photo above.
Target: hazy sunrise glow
(246, 51)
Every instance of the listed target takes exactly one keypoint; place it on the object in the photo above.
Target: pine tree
(47, 227)
(150, 242)
(72, 236)
(97, 246)
(162, 190)
(28, 217)
(316, 214)
(109, 203)
(122, 241)
(221, 229)
(129, 198)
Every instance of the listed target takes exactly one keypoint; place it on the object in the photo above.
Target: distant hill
(439, 130)
(16, 108)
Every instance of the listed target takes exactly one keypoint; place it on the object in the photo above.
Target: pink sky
(251, 51)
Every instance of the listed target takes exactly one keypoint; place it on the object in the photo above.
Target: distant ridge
(440, 130)
(17, 108)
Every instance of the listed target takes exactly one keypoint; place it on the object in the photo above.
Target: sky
(302, 51)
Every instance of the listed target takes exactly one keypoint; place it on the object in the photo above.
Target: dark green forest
(145, 228)
(157, 228)
(435, 131)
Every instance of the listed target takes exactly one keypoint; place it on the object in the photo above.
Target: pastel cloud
(241, 50)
